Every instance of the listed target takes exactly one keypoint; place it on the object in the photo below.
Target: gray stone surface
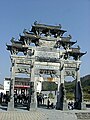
(44, 114)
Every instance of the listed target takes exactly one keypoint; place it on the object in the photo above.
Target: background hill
(70, 87)
(85, 81)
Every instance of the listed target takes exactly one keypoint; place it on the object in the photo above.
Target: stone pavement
(43, 114)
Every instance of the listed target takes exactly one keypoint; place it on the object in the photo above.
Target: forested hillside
(85, 81)
(70, 87)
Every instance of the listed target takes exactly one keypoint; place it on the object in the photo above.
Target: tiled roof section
(45, 28)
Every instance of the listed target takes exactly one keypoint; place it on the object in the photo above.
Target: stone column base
(10, 106)
(80, 106)
(33, 106)
(83, 106)
(65, 106)
(61, 106)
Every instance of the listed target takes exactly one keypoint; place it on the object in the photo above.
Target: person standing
(48, 102)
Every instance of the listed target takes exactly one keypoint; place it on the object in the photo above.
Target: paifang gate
(46, 52)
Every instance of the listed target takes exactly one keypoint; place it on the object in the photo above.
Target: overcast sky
(73, 15)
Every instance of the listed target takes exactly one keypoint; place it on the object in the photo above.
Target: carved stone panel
(23, 60)
(25, 69)
(70, 72)
(70, 65)
(45, 65)
(47, 41)
(46, 54)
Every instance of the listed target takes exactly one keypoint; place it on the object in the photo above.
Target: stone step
(83, 115)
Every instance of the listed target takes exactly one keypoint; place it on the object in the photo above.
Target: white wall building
(2, 89)
(6, 84)
(39, 86)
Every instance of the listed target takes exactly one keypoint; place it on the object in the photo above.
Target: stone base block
(65, 106)
(10, 106)
(80, 106)
(33, 106)
(83, 106)
(61, 106)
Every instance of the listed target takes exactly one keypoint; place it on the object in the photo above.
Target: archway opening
(70, 88)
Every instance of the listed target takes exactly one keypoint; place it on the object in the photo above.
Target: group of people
(41, 99)
(4, 98)
(49, 104)
(71, 105)
(18, 98)
(21, 98)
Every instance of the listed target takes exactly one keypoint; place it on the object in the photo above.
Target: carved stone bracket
(78, 66)
(70, 73)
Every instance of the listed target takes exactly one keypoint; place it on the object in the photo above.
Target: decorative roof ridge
(46, 26)
(77, 50)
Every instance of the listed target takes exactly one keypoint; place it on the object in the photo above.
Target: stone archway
(51, 54)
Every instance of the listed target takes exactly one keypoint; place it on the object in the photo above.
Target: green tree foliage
(49, 86)
(70, 87)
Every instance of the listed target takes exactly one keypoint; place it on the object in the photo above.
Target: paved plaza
(44, 114)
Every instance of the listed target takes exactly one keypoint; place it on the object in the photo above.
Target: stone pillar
(61, 96)
(12, 82)
(33, 104)
(33, 91)
(79, 104)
